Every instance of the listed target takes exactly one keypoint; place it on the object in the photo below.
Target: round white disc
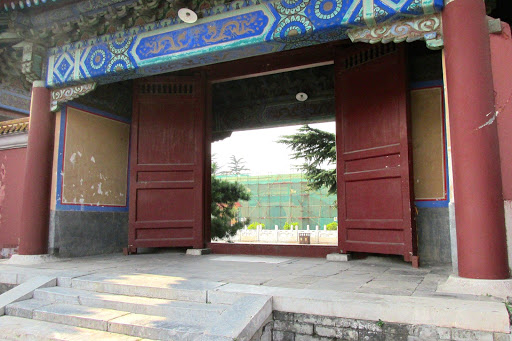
(187, 15)
(301, 96)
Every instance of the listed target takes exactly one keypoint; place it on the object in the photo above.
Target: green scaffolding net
(278, 199)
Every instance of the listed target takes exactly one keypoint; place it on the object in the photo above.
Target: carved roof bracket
(31, 60)
(63, 95)
(427, 28)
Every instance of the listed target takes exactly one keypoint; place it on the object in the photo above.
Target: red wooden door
(373, 152)
(167, 163)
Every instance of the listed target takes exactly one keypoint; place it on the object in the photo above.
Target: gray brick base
(305, 327)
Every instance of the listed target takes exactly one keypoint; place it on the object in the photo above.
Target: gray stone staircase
(134, 308)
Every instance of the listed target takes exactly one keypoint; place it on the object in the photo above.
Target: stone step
(75, 315)
(149, 307)
(115, 321)
(153, 286)
(157, 328)
(132, 304)
(17, 328)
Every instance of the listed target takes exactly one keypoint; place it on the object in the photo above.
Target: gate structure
(67, 49)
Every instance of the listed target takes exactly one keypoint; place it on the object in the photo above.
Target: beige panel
(428, 143)
(95, 160)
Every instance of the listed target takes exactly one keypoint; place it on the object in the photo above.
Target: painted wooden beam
(240, 29)
(10, 5)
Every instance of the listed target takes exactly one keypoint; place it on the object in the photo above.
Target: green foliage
(237, 166)
(332, 226)
(509, 308)
(288, 226)
(380, 323)
(318, 149)
(215, 168)
(254, 226)
(225, 195)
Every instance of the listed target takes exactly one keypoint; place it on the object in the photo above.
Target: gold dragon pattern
(230, 30)
(167, 44)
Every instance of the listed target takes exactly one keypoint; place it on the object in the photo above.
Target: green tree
(215, 166)
(318, 149)
(332, 226)
(225, 195)
(254, 226)
(237, 166)
(288, 226)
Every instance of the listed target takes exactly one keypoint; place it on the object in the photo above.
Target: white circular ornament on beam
(301, 96)
(187, 15)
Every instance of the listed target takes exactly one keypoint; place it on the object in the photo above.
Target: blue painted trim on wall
(13, 108)
(99, 112)
(431, 203)
(59, 206)
(18, 110)
(436, 203)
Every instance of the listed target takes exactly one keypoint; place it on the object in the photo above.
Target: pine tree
(318, 149)
(237, 166)
(225, 195)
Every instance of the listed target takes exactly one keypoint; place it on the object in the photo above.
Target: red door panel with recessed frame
(373, 152)
(167, 163)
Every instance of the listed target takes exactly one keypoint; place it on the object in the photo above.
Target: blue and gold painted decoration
(242, 29)
(204, 36)
(10, 5)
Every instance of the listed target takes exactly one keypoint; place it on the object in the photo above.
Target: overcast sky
(260, 151)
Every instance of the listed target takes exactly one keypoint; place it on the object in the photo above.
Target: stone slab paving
(381, 285)
(373, 274)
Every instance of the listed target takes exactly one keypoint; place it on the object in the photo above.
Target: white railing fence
(277, 236)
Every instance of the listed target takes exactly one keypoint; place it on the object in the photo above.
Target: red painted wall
(12, 170)
(501, 54)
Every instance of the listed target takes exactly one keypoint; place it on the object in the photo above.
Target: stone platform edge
(25, 291)
(440, 312)
(459, 285)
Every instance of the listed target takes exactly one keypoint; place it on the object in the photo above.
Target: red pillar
(36, 194)
(479, 212)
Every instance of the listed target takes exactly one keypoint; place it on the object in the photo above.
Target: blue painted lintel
(244, 29)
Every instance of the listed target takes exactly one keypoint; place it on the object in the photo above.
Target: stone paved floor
(377, 275)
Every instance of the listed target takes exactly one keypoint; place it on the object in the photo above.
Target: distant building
(278, 199)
